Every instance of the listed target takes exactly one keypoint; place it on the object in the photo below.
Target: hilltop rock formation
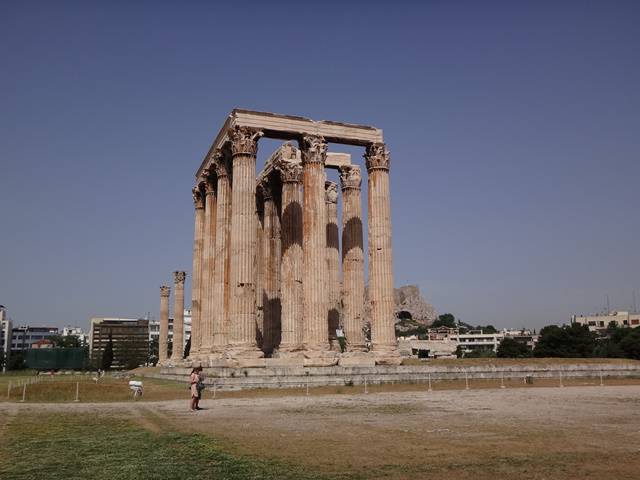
(410, 307)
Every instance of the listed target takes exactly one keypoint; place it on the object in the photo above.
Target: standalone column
(333, 261)
(291, 264)
(163, 338)
(221, 258)
(314, 276)
(242, 314)
(352, 258)
(272, 252)
(178, 317)
(380, 258)
(198, 239)
(208, 269)
(260, 270)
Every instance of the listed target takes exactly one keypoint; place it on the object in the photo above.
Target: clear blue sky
(514, 129)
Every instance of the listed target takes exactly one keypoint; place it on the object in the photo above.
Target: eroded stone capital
(377, 157)
(244, 140)
(314, 149)
(350, 177)
(209, 182)
(198, 197)
(330, 192)
(290, 172)
(179, 277)
(266, 190)
(165, 291)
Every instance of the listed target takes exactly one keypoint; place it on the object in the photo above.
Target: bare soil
(537, 433)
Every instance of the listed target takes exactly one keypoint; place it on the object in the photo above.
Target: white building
(76, 332)
(5, 335)
(602, 321)
(154, 327)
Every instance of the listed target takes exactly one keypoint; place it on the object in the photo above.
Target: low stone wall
(225, 378)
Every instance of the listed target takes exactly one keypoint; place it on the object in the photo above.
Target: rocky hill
(411, 309)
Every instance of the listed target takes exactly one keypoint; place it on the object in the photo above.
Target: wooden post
(561, 385)
(24, 392)
(365, 385)
(466, 380)
(9, 390)
(601, 381)
(502, 381)
(429, 383)
(77, 392)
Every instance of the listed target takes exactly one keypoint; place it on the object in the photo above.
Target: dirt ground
(537, 433)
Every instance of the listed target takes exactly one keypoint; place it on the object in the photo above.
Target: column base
(320, 358)
(357, 359)
(387, 355)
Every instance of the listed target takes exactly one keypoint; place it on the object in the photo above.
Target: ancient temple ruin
(269, 279)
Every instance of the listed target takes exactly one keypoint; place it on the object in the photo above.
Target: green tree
(511, 348)
(630, 344)
(70, 341)
(107, 355)
(187, 348)
(568, 341)
(487, 329)
(16, 361)
(445, 320)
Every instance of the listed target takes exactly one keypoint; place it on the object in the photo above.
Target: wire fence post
(561, 384)
(307, 386)
(601, 380)
(24, 392)
(429, 389)
(502, 381)
(77, 392)
(365, 385)
(215, 387)
(9, 390)
(466, 381)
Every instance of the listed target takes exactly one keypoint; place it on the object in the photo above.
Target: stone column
(208, 269)
(178, 317)
(383, 336)
(260, 269)
(352, 258)
(198, 240)
(314, 275)
(221, 257)
(164, 325)
(272, 252)
(333, 262)
(291, 264)
(242, 309)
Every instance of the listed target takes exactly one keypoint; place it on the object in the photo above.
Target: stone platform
(272, 375)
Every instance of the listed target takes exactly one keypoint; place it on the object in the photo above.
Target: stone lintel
(288, 127)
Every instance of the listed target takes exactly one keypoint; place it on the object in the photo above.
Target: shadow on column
(292, 221)
(272, 324)
(352, 236)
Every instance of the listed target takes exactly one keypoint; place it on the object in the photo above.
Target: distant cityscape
(141, 334)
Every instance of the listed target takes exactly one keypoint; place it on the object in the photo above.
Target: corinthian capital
(290, 172)
(209, 182)
(266, 189)
(314, 149)
(350, 177)
(244, 140)
(330, 192)
(377, 157)
(220, 166)
(165, 291)
(179, 277)
(198, 198)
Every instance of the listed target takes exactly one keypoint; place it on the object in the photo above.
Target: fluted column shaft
(352, 258)
(163, 337)
(380, 254)
(222, 258)
(333, 260)
(261, 268)
(291, 264)
(198, 241)
(272, 253)
(208, 270)
(178, 317)
(242, 314)
(314, 286)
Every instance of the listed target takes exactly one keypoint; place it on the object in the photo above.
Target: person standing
(194, 378)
